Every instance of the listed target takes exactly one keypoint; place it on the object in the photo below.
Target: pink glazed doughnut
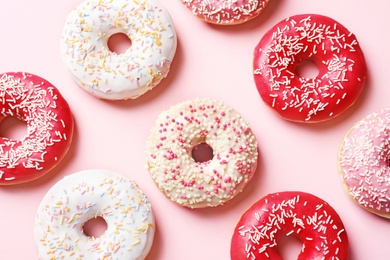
(179, 130)
(333, 49)
(226, 12)
(313, 221)
(50, 124)
(364, 163)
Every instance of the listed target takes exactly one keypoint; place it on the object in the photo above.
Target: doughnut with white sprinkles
(312, 220)
(106, 74)
(49, 121)
(183, 127)
(364, 163)
(226, 12)
(334, 50)
(88, 194)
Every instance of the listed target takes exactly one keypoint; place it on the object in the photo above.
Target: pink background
(211, 61)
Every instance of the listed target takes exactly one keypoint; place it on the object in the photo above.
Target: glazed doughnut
(334, 50)
(364, 163)
(88, 194)
(226, 12)
(313, 221)
(49, 121)
(112, 76)
(183, 127)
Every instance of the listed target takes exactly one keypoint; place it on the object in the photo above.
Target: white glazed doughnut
(79, 197)
(201, 184)
(108, 75)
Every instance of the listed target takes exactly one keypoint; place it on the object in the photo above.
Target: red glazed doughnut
(49, 127)
(334, 50)
(313, 221)
(224, 12)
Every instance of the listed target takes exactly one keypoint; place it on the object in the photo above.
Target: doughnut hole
(202, 152)
(119, 43)
(13, 128)
(94, 227)
(289, 247)
(307, 68)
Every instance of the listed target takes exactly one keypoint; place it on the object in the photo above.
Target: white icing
(82, 196)
(201, 184)
(106, 74)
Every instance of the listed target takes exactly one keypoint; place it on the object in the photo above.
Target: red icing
(334, 50)
(49, 127)
(313, 221)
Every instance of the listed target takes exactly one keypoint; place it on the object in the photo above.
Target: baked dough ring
(226, 12)
(335, 51)
(49, 121)
(364, 163)
(108, 75)
(201, 184)
(313, 221)
(84, 195)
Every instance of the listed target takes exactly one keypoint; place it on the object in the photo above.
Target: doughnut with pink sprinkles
(183, 127)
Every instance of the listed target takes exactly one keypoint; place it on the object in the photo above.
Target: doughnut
(106, 74)
(82, 196)
(310, 219)
(226, 12)
(331, 47)
(364, 163)
(180, 130)
(49, 122)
